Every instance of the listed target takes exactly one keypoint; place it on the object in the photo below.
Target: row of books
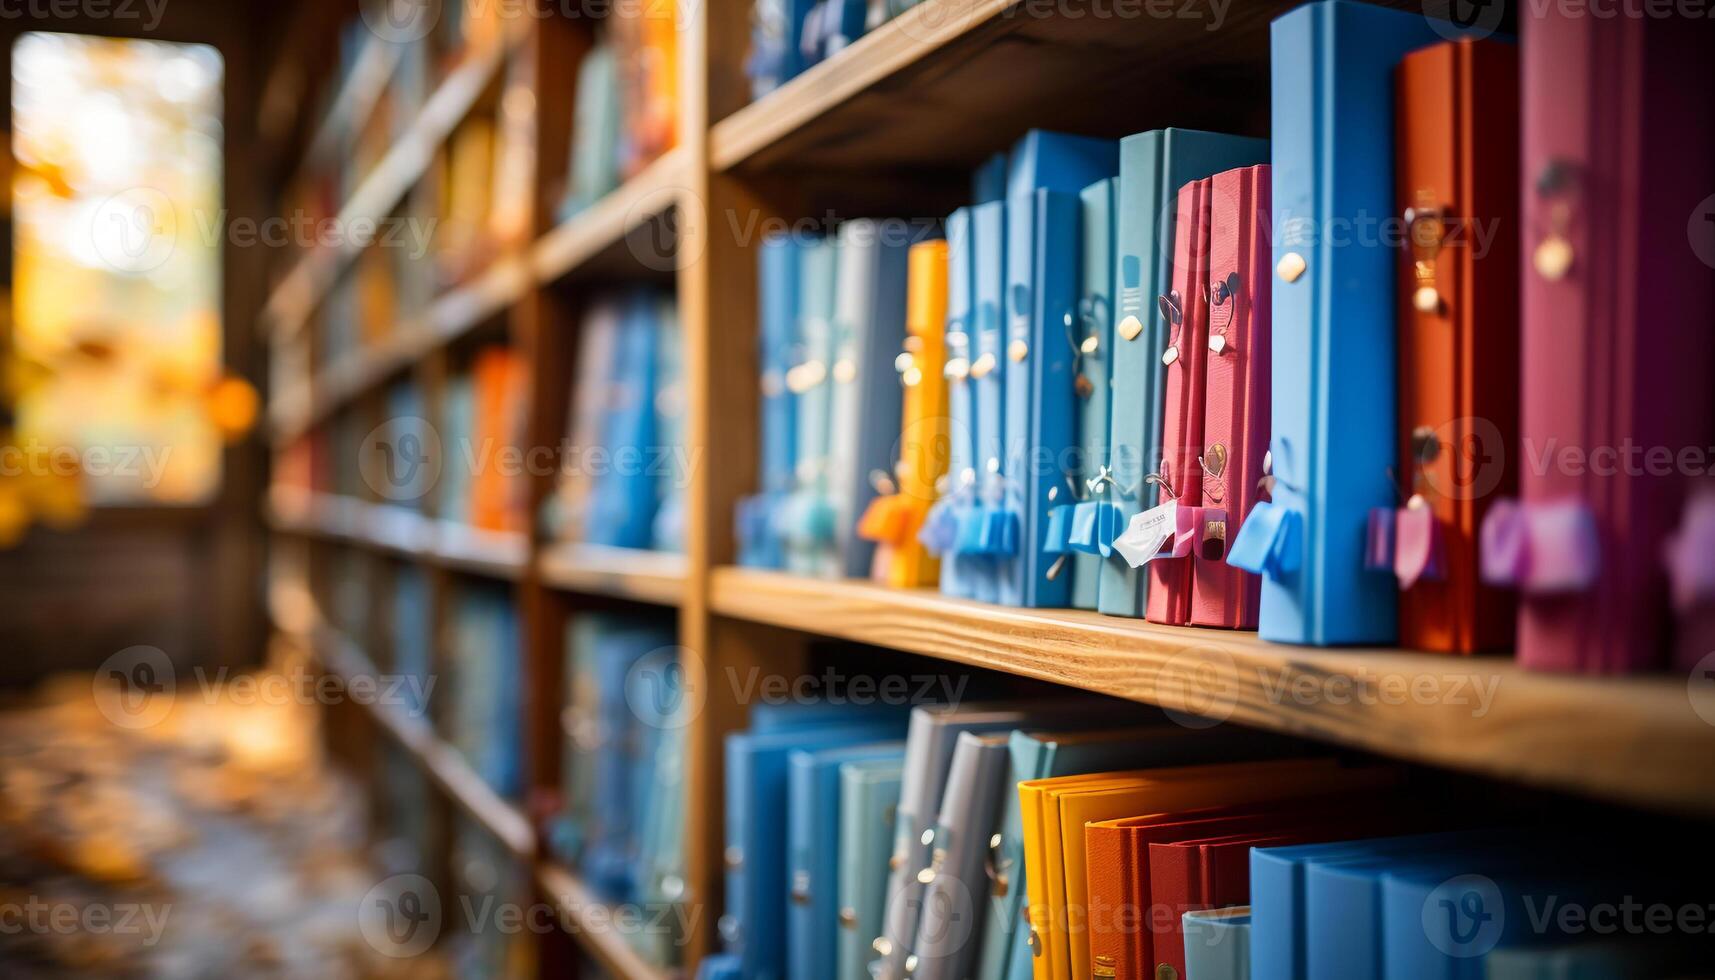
(624, 473)
(789, 36)
(1194, 377)
(1010, 841)
(627, 111)
(622, 822)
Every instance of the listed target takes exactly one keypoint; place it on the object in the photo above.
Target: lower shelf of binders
(1639, 740)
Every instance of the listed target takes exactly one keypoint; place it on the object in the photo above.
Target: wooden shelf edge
(443, 763)
(654, 191)
(290, 303)
(398, 531)
(908, 39)
(657, 577)
(583, 913)
(1636, 740)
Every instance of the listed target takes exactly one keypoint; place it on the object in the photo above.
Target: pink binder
(1236, 402)
(1619, 153)
(1186, 310)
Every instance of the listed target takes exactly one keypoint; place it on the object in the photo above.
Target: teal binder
(1093, 331)
(1153, 166)
(983, 539)
(869, 801)
(1218, 944)
(809, 525)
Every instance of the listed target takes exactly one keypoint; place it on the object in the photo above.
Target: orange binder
(893, 520)
(1458, 192)
(500, 381)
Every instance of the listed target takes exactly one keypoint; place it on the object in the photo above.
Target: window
(114, 360)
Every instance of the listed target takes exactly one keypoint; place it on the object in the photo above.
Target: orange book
(893, 520)
(500, 385)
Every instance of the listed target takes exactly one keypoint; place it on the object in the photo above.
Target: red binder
(1618, 152)
(1236, 399)
(1457, 157)
(1186, 309)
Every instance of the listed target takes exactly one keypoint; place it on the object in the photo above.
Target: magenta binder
(1618, 157)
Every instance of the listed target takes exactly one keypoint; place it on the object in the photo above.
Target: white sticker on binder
(1146, 533)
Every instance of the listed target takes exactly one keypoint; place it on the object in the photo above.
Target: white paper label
(1146, 533)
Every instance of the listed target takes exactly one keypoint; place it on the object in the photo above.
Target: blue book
(809, 516)
(982, 533)
(622, 511)
(813, 810)
(760, 544)
(1153, 166)
(620, 764)
(988, 181)
(776, 54)
(1041, 432)
(413, 634)
(1090, 528)
(958, 496)
(663, 459)
(1334, 372)
(756, 883)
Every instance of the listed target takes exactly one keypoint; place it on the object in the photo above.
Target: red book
(1236, 399)
(1186, 309)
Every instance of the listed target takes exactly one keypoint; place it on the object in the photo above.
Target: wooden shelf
(645, 576)
(603, 238)
(443, 763)
(1635, 740)
(380, 192)
(582, 912)
(948, 82)
(398, 531)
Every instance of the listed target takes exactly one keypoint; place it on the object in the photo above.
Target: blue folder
(1041, 293)
(1153, 166)
(982, 533)
(813, 816)
(754, 926)
(760, 545)
(1090, 528)
(1047, 171)
(958, 495)
(1333, 408)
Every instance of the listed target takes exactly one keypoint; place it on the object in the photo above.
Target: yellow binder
(893, 520)
(1056, 811)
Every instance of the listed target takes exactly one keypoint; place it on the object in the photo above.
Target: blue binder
(982, 534)
(1090, 528)
(754, 926)
(1279, 903)
(809, 516)
(760, 545)
(813, 813)
(988, 181)
(721, 966)
(869, 803)
(1153, 166)
(958, 495)
(1333, 407)
(776, 54)
(1218, 944)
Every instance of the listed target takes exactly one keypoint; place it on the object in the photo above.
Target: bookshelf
(890, 125)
